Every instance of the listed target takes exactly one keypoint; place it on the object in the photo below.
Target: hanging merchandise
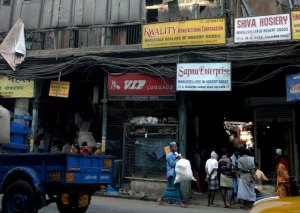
(239, 132)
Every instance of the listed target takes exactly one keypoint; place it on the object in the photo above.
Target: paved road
(117, 205)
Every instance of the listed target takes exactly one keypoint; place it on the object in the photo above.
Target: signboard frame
(141, 87)
(202, 77)
(293, 87)
(250, 29)
(63, 90)
(184, 33)
(295, 25)
(16, 88)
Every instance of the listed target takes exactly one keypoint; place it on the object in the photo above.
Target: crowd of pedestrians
(237, 176)
(240, 176)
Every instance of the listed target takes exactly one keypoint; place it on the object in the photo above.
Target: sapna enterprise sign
(262, 28)
(203, 77)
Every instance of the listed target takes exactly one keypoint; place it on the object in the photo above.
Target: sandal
(159, 201)
(183, 205)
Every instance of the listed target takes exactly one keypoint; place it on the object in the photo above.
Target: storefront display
(239, 133)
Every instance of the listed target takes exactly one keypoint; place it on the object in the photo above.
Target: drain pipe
(104, 116)
(290, 5)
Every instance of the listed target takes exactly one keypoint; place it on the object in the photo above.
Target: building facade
(84, 42)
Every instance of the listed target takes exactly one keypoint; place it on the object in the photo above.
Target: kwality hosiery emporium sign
(141, 87)
(203, 77)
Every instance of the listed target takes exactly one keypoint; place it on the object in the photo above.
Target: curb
(105, 194)
(201, 200)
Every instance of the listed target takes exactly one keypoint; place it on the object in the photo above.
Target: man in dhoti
(246, 191)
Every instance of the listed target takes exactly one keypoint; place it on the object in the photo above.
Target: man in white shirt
(211, 168)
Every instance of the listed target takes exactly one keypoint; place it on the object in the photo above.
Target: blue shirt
(171, 163)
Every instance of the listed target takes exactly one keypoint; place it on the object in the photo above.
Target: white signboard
(203, 77)
(262, 28)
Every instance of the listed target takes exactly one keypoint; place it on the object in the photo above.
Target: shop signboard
(16, 88)
(295, 16)
(140, 87)
(184, 33)
(203, 77)
(59, 89)
(262, 28)
(293, 87)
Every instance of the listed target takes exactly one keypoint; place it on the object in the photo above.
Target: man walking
(172, 192)
(246, 191)
(211, 168)
(226, 181)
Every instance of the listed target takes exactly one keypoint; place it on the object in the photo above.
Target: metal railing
(84, 37)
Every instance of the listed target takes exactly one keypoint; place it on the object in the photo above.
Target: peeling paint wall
(264, 7)
(188, 9)
(47, 14)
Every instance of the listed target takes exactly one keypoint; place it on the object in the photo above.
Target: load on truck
(31, 181)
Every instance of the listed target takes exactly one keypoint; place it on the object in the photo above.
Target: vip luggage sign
(293, 87)
(140, 87)
(59, 89)
(16, 88)
(262, 28)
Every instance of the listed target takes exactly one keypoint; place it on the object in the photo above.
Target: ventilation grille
(270, 114)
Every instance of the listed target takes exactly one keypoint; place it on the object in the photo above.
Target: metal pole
(185, 186)
(245, 5)
(104, 116)
(221, 6)
(290, 4)
(182, 124)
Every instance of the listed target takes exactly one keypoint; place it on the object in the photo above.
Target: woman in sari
(282, 189)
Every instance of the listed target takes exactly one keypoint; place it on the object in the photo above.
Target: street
(117, 205)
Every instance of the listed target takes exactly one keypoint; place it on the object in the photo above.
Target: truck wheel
(68, 208)
(19, 197)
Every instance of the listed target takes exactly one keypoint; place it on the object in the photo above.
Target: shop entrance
(274, 132)
(207, 112)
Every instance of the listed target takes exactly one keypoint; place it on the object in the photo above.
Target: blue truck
(31, 181)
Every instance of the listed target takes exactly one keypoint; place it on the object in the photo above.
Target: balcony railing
(84, 37)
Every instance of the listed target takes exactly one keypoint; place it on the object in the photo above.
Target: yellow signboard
(59, 89)
(184, 33)
(16, 88)
(295, 24)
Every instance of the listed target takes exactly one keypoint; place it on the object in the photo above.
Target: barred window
(5, 2)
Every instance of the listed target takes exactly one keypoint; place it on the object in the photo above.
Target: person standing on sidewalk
(226, 181)
(211, 168)
(246, 191)
(172, 192)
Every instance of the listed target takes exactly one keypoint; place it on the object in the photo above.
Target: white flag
(13, 47)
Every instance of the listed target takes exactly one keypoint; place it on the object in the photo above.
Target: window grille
(143, 149)
(5, 2)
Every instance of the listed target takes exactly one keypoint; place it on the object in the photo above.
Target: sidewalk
(196, 198)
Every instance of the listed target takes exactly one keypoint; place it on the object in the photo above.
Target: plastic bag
(183, 171)
(4, 125)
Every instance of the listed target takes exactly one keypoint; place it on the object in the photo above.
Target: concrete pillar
(185, 186)
(21, 108)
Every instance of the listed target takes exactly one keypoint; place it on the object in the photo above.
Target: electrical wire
(160, 62)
